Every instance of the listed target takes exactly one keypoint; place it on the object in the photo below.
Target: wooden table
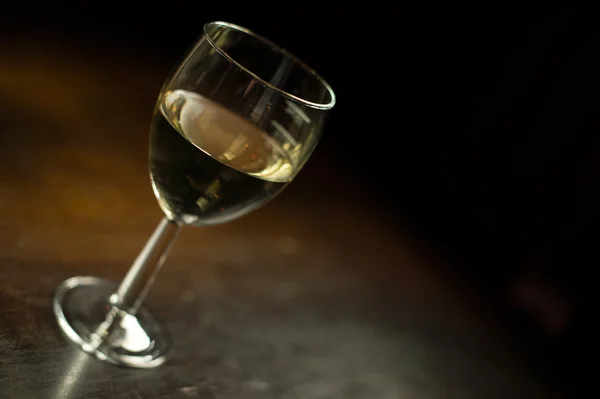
(315, 296)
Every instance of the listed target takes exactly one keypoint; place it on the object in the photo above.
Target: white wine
(209, 165)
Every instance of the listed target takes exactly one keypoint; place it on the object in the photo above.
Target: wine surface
(209, 165)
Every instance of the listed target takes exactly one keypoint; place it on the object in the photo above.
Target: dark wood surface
(315, 296)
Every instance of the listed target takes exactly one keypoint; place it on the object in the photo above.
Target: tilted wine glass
(233, 125)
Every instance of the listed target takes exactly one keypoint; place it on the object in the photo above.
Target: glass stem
(141, 275)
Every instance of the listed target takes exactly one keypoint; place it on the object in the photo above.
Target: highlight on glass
(233, 125)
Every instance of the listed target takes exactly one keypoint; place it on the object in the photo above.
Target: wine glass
(233, 125)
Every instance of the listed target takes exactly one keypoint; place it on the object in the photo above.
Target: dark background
(476, 130)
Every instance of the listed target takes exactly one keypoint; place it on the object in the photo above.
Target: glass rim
(311, 104)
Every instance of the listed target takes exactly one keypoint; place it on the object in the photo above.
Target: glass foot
(85, 314)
